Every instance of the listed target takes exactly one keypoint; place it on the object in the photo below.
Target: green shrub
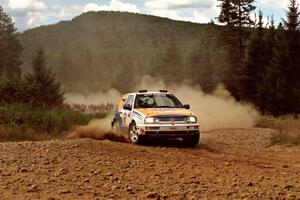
(25, 117)
(14, 90)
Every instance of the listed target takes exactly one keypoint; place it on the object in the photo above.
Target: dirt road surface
(227, 164)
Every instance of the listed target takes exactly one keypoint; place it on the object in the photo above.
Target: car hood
(152, 112)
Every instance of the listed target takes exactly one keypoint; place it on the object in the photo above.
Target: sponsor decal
(137, 115)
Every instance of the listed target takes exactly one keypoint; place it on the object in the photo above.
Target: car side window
(129, 100)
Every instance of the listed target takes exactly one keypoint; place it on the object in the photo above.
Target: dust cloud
(218, 110)
(99, 129)
(109, 96)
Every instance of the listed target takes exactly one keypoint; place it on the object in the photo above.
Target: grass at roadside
(19, 122)
(8, 134)
(288, 129)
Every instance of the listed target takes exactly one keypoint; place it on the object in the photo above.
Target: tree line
(258, 63)
(265, 59)
(38, 88)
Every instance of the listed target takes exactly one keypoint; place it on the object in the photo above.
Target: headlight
(192, 119)
(151, 120)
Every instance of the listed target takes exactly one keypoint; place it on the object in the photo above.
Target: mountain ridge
(85, 51)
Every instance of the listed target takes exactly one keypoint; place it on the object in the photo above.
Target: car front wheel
(133, 134)
(191, 141)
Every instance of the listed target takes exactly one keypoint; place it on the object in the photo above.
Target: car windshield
(157, 101)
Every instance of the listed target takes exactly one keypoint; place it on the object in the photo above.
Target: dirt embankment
(228, 164)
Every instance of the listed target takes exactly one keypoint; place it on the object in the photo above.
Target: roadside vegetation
(24, 122)
(256, 60)
(288, 129)
(32, 105)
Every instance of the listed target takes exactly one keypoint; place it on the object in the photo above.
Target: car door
(126, 113)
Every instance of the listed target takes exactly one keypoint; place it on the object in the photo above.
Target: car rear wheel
(133, 134)
(115, 126)
(191, 141)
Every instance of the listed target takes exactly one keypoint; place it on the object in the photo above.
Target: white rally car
(155, 114)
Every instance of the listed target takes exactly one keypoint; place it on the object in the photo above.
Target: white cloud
(171, 14)
(206, 15)
(197, 16)
(178, 4)
(3, 2)
(200, 11)
(26, 13)
(91, 7)
(274, 5)
(35, 19)
(62, 11)
(66, 10)
(114, 5)
(30, 20)
(27, 5)
(201, 17)
(31, 13)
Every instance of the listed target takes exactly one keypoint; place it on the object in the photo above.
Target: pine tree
(233, 37)
(250, 78)
(234, 52)
(278, 101)
(10, 47)
(46, 90)
(292, 23)
(236, 12)
(243, 10)
(265, 87)
(292, 69)
(226, 13)
(14, 90)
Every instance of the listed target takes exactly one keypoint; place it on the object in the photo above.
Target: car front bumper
(168, 130)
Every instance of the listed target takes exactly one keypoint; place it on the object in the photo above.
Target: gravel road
(227, 164)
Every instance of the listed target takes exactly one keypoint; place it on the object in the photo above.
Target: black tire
(191, 141)
(133, 135)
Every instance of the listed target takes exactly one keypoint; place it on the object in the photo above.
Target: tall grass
(22, 121)
(288, 129)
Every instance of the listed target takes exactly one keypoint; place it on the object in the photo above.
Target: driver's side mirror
(127, 107)
(187, 106)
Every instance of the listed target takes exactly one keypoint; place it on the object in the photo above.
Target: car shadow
(173, 143)
(164, 143)
(156, 142)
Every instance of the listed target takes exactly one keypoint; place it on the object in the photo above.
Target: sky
(32, 13)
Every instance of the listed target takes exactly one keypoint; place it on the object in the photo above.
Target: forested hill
(99, 50)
